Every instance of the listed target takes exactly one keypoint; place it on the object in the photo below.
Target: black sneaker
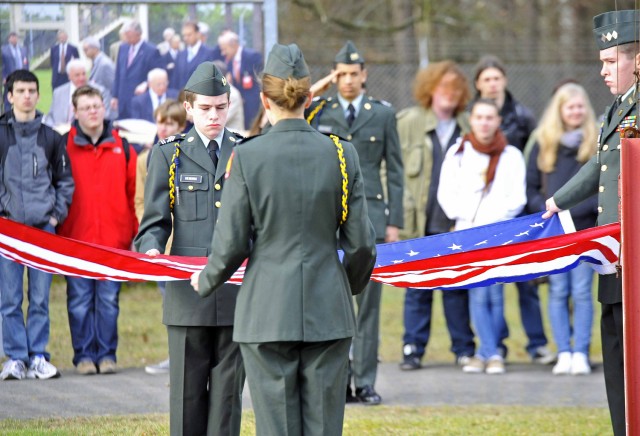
(368, 396)
(410, 358)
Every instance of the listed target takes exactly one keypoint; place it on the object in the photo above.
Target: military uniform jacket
(600, 175)
(197, 202)
(285, 190)
(375, 137)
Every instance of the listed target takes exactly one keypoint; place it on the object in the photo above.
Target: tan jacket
(414, 124)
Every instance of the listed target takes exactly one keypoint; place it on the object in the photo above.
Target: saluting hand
(194, 280)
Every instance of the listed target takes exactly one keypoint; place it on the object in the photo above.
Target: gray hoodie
(35, 176)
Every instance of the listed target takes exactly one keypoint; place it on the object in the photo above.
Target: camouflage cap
(207, 80)
(616, 27)
(286, 61)
(349, 54)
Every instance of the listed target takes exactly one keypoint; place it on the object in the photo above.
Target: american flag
(514, 250)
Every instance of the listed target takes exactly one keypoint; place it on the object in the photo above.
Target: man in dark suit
(169, 59)
(144, 105)
(195, 52)
(245, 65)
(61, 54)
(14, 57)
(617, 38)
(182, 195)
(135, 59)
(371, 126)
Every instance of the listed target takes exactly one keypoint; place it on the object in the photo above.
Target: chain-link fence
(531, 84)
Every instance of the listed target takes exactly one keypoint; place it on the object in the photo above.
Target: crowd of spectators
(459, 158)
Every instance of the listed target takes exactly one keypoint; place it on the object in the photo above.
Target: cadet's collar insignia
(367, 106)
(228, 169)
(354, 57)
(330, 98)
(335, 105)
(191, 139)
(232, 139)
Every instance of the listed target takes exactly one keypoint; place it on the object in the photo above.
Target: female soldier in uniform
(293, 197)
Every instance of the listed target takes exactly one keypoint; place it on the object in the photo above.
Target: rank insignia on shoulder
(323, 128)
(170, 139)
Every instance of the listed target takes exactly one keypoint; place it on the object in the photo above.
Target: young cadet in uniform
(182, 193)
(617, 37)
(371, 126)
(291, 192)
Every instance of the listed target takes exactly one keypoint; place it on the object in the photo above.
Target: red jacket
(102, 210)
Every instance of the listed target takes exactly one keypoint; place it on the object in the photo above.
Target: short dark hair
(22, 76)
(486, 101)
(82, 91)
(486, 62)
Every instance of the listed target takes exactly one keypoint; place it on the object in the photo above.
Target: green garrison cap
(207, 80)
(616, 27)
(286, 61)
(349, 54)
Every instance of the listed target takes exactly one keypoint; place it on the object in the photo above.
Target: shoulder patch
(382, 102)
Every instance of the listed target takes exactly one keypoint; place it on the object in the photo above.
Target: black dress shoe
(350, 398)
(368, 396)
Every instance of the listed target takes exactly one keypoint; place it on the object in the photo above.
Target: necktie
(130, 58)
(614, 107)
(189, 54)
(212, 149)
(63, 61)
(351, 115)
(18, 57)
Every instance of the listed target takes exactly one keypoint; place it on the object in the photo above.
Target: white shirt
(462, 180)
(193, 50)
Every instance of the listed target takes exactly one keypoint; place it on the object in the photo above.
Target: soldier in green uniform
(371, 126)
(617, 37)
(292, 198)
(182, 193)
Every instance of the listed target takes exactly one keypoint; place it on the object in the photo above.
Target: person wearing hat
(292, 198)
(617, 38)
(182, 194)
(371, 126)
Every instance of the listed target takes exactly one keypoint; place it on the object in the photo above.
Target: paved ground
(132, 391)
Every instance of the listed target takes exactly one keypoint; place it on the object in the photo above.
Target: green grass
(46, 93)
(382, 420)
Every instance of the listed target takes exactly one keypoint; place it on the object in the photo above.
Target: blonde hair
(551, 128)
(288, 94)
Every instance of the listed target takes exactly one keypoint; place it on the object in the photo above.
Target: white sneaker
(564, 364)
(475, 365)
(158, 368)
(543, 356)
(40, 368)
(13, 370)
(580, 364)
(495, 365)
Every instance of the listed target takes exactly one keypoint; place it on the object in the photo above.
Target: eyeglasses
(95, 107)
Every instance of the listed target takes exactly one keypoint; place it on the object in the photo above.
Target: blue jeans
(575, 284)
(93, 318)
(417, 320)
(20, 341)
(486, 305)
(529, 302)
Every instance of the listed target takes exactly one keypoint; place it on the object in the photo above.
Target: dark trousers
(417, 320)
(206, 380)
(297, 388)
(613, 363)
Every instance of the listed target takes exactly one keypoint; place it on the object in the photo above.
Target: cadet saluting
(290, 191)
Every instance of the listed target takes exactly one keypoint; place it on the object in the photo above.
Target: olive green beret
(616, 27)
(286, 61)
(207, 80)
(349, 54)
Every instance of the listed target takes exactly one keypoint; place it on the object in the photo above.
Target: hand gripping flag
(515, 250)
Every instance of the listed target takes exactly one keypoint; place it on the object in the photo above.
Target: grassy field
(382, 420)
